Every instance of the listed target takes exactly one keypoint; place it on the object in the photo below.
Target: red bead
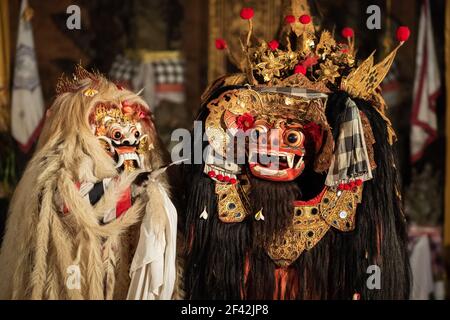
(403, 33)
(348, 32)
(212, 174)
(247, 13)
(273, 45)
(219, 177)
(300, 69)
(233, 181)
(346, 186)
(221, 44)
(289, 19)
(359, 182)
(341, 187)
(305, 19)
(226, 178)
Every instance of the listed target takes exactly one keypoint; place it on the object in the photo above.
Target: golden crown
(318, 57)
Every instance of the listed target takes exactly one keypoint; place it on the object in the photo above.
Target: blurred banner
(427, 85)
(4, 66)
(27, 102)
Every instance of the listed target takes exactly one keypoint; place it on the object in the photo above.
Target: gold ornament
(328, 71)
(90, 92)
(335, 208)
(230, 204)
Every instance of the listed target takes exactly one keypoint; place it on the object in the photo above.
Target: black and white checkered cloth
(292, 91)
(169, 71)
(124, 69)
(350, 159)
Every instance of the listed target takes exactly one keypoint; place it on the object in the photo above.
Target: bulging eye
(293, 138)
(137, 134)
(117, 134)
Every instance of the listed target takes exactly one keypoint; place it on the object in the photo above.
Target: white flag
(427, 84)
(27, 104)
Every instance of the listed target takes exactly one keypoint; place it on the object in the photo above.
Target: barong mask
(318, 159)
(121, 133)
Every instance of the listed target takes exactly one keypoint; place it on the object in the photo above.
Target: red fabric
(124, 202)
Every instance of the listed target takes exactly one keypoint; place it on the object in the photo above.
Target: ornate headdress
(323, 61)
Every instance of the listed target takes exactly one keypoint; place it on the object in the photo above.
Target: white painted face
(121, 139)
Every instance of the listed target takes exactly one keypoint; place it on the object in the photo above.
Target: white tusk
(290, 159)
(120, 161)
(299, 163)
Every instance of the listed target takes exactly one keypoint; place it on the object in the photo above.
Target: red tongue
(283, 165)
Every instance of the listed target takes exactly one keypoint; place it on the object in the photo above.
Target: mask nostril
(126, 143)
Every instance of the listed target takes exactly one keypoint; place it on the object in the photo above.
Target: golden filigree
(310, 222)
(333, 62)
(365, 79)
(231, 202)
(326, 45)
(269, 67)
(262, 105)
(328, 71)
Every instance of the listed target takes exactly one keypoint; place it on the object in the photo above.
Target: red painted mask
(276, 150)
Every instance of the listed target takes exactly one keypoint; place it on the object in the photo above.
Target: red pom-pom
(348, 32)
(403, 33)
(247, 13)
(305, 19)
(233, 181)
(219, 177)
(273, 45)
(289, 19)
(211, 174)
(300, 69)
(221, 44)
(226, 178)
(358, 182)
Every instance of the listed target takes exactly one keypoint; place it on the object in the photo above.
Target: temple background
(145, 34)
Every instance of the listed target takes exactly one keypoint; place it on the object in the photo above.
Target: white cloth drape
(153, 269)
(427, 84)
(27, 104)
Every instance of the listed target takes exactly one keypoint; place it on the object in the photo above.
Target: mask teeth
(290, 159)
(299, 163)
(120, 161)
